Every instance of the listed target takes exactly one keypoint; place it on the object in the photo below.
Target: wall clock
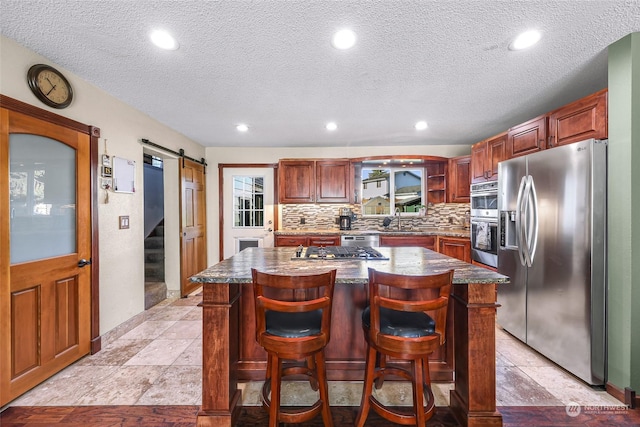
(50, 86)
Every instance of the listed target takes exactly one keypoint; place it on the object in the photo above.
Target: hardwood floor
(185, 416)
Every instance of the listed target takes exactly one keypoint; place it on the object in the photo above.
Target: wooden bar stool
(293, 322)
(396, 324)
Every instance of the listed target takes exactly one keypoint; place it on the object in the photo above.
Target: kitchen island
(230, 353)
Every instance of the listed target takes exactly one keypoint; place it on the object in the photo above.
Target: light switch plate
(124, 222)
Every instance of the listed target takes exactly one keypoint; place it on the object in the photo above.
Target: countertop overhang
(402, 260)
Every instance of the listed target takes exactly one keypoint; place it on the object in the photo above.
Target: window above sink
(387, 188)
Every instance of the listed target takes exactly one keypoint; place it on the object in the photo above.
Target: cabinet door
(291, 241)
(528, 137)
(496, 152)
(583, 119)
(428, 242)
(333, 181)
(296, 181)
(333, 240)
(478, 161)
(455, 247)
(459, 179)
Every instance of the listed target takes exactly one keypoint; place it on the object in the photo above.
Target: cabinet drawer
(291, 240)
(324, 240)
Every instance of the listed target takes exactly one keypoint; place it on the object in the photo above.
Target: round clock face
(50, 86)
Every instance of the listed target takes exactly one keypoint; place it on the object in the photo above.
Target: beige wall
(121, 251)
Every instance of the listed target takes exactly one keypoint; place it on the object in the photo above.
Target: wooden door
(45, 248)
(193, 230)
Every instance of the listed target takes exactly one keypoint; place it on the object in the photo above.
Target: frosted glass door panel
(42, 197)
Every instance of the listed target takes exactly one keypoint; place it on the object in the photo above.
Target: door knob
(83, 262)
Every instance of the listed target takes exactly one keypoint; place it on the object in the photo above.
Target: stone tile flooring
(159, 362)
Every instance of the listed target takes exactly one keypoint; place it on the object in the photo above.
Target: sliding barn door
(193, 229)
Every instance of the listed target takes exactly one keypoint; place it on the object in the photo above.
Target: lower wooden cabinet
(428, 242)
(455, 247)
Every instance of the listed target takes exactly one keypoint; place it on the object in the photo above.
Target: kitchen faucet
(398, 214)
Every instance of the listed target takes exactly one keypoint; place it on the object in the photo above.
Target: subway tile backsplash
(325, 217)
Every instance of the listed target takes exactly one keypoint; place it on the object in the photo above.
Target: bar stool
(396, 325)
(293, 322)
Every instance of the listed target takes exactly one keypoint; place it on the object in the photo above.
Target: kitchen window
(385, 189)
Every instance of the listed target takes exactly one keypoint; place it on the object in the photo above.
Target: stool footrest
(405, 417)
(290, 416)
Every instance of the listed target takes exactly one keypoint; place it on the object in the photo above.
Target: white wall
(216, 155)
(121, 251)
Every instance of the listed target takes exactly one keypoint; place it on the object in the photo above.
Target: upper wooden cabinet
(459, 179)
(314, 181)
(296, 181)
(583, 119)
(334, 182)
(527, 138)
(485, 157)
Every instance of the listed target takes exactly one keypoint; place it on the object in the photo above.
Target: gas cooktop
(338, 252)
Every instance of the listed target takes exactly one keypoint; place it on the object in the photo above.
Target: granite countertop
(402, 260)
(422, 231)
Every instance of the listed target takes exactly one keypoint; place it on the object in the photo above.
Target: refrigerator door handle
(534, 233)
(526, 221)
(519, 234)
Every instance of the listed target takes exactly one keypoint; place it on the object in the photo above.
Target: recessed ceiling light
(331, 126)
(242, 127)
(343, 39)
(164, 40)
(421, 125)
(525, 40)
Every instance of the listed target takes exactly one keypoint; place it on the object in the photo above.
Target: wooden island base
(231, 354)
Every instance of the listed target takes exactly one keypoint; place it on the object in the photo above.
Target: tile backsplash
(325, 217)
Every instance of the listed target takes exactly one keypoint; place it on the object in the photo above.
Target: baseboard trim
(627, 395)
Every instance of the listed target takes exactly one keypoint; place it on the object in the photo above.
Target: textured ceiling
(270, 64)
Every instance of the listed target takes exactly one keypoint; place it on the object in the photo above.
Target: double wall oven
(484, 223)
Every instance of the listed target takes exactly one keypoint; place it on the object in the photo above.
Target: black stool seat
(401, 323)
(293, 325)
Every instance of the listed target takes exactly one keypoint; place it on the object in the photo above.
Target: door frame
(94, 135)
(221, 167)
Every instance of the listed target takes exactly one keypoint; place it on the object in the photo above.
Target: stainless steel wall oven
(484, 223)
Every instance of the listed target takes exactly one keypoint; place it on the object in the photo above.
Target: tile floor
(158, 362)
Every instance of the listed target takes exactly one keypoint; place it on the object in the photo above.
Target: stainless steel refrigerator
(552, 230)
